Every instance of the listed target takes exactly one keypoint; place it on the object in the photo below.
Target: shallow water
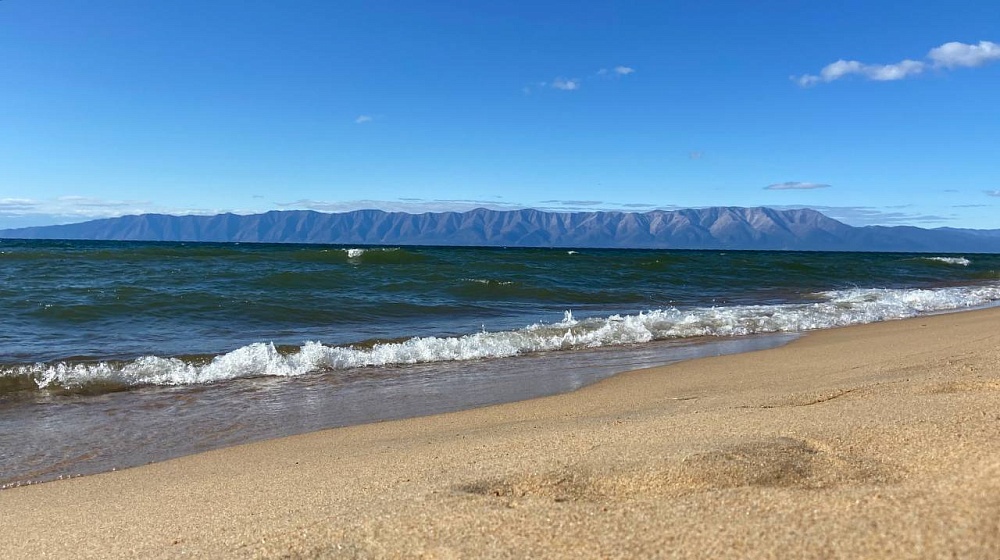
(60, 436)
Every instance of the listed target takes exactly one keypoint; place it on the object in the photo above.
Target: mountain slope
(708, 228)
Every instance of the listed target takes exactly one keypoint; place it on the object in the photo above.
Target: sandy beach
(876, 441)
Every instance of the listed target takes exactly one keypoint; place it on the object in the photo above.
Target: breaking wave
(960, 261)
(829, 309)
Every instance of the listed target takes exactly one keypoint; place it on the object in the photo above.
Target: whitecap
(830, 309)
(960, 261)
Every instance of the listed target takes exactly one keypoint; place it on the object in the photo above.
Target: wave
(354, 253)
(832, 309)
(382, 255)
(487, 282)
(960, 261)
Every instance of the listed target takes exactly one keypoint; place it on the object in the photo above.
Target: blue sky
(873, 112)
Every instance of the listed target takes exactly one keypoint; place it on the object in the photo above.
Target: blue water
(116, 353)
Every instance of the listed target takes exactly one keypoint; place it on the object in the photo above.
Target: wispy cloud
(362, 119)
(947, 56)
(617, 71)
(574, 84)
(557, 205)
(16, 206)
(409, 205)
(81, 203)
(565, 84)
(877, 72)
(574, 202)
(68, 206)
(795, 185)
(646, 205)
(696, 155)
(992, 193)
(16, 212)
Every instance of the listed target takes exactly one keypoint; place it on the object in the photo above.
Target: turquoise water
(95, 332)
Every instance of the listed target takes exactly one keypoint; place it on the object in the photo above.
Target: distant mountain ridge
(706, 228)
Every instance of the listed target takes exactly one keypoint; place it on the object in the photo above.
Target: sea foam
(830, 309)
(960, 261)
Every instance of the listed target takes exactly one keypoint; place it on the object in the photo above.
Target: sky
(871, 112)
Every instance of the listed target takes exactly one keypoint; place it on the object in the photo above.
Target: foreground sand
(880, 441)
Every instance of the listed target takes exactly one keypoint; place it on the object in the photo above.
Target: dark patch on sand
(779, 462)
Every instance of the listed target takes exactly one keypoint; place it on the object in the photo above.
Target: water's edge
(132, 428)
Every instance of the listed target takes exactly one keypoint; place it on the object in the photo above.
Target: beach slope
(876, 441)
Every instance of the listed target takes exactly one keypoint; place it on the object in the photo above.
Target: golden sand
(877, 441)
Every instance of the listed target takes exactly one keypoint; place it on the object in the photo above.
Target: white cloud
(574, 202)
(16, 206)
(795, 185)
(83, 203)
(954, 54)
(647, 206)
(616, 72)
(362, 119)
(69, 209)
(992, 193)
(696, 154)
(832, 72)
(891, 72)
(876, 72)
(948, 55)
(566, 85)
(573, 84)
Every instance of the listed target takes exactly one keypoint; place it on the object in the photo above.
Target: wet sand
(876, 441)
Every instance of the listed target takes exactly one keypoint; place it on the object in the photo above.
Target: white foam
(831, 309)
(488, 282)
(961, 261)
(356, 252)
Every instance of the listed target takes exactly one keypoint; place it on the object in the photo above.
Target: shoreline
(868, 440)
(311, 403)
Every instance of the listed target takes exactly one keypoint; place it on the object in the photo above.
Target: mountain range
(706, 228)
